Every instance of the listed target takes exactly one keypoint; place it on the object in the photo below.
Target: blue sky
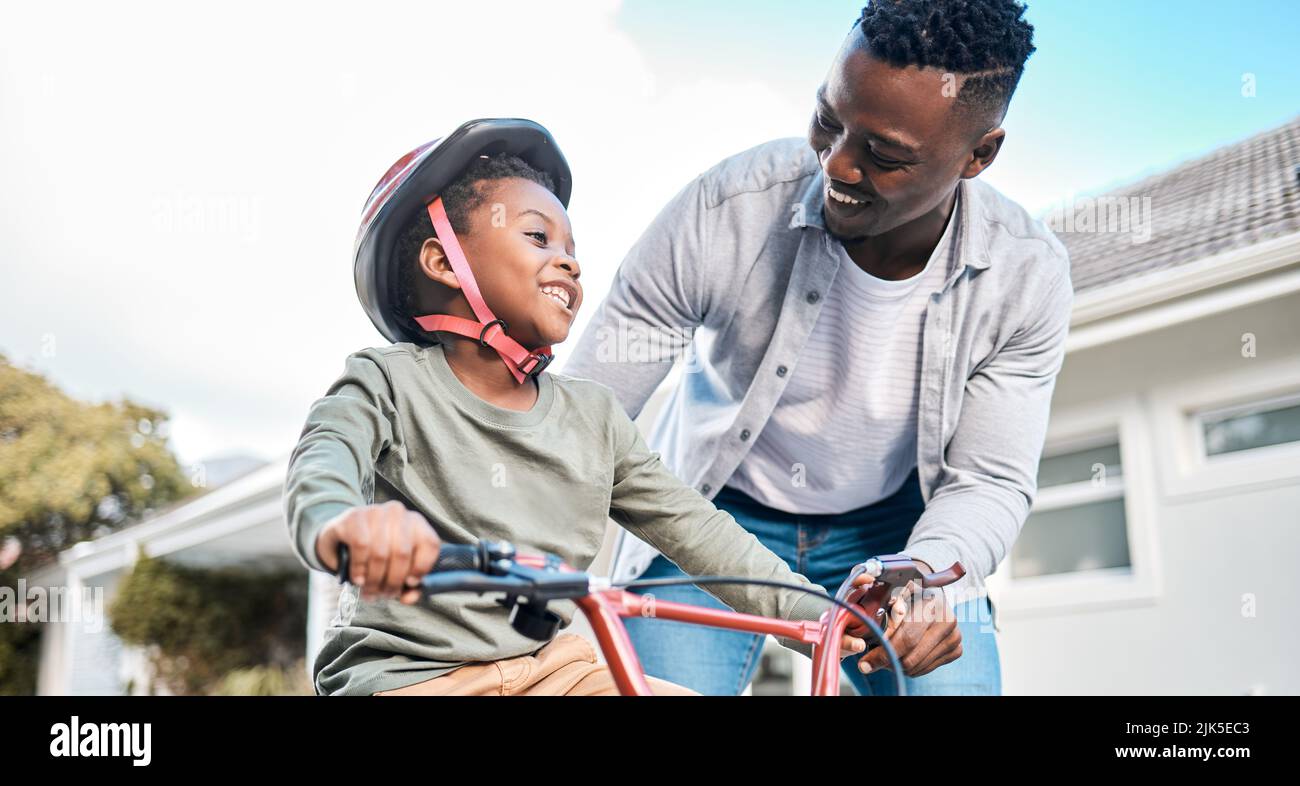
(232, 152)
(1116, 89)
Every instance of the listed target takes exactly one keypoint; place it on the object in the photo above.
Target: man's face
(890, 143)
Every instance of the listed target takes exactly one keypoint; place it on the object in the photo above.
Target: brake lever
(897, 570)
(890, 574)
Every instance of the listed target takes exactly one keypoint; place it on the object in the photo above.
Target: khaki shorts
(567, 666)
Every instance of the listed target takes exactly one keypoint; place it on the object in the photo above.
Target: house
(239, 522)
(1157, 556)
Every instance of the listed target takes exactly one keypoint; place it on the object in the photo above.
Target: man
(876, 337)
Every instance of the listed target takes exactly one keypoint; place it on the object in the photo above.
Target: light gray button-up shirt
(731, 275)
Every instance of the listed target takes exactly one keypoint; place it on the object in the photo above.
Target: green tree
(223, 629)
(69, 471)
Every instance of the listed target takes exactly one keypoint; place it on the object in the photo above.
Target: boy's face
(520, 247)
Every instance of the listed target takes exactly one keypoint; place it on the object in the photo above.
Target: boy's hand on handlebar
(391, 549)
(922, 627)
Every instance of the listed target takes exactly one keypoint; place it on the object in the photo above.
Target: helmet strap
(488, 331)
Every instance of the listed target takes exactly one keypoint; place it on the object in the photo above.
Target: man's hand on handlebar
(391, 549)
(922, 627)
(852, 645)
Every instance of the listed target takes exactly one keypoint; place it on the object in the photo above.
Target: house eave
(243, 503)
(1256, 273)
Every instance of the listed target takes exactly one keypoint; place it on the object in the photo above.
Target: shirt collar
(812, 201)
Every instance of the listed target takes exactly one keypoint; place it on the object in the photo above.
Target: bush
(20, 644)
(202, 626)
(266, 681)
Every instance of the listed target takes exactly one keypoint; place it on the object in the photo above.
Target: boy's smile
(561, 292)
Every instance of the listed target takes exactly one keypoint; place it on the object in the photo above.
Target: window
(1247, 427)
(1225, 433)
(1090, 541)
(1078, 522)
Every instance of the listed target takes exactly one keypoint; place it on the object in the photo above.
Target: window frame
(1180, 412)
(1252, 407)
(1106, 422)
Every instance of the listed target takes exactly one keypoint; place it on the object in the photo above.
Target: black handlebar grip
(458, 556)
(451, 556)
(345, 563)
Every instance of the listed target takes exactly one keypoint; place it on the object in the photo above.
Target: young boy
(456, 433)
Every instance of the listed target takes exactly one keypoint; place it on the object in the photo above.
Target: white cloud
(182, 185)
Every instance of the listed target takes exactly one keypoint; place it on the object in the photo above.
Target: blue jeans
(824, 548)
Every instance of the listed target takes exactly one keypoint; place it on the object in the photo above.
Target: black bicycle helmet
(416, 180)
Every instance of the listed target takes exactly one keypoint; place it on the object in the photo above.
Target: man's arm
(977, 514)
(332, 469)
(650, 502)
(658, 298)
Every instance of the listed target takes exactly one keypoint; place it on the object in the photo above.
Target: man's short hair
(986, 41)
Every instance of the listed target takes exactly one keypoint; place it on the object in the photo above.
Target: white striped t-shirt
(843, 434)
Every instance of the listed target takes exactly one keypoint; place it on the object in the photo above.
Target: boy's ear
(435, 265)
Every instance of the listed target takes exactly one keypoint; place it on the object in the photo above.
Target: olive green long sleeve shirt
(400, 425)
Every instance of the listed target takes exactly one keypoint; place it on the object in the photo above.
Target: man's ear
(985, 150)
(435, 265)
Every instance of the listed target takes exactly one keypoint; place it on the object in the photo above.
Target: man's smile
(845, 205)
(843, 198)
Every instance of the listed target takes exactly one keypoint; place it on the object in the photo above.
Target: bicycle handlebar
(492, 566)
(489, 566)
(531, 581)
(451, 556)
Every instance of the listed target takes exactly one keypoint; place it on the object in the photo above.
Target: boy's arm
(333, 467)
(650, 502)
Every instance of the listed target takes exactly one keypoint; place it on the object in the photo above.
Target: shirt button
(744, 434)
(813, 297)
(781, 370)
(706, 488)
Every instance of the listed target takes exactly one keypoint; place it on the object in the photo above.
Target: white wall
(1219, 533)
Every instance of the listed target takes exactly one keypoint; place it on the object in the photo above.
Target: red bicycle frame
(605, 610)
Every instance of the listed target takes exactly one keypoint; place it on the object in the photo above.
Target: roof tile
(1230, 198)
